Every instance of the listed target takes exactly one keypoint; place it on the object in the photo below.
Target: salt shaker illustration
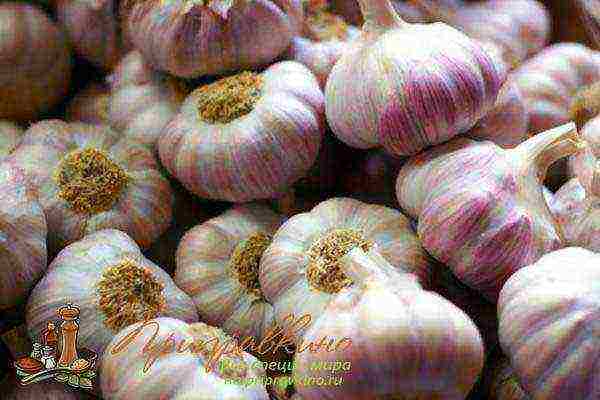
(36, 353)
(69, 330)
(48, 357)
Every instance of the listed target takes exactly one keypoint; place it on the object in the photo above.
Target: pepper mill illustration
(69, 330)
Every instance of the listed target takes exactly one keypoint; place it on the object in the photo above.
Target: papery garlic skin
(286, 266)
(256, 155)
(36, 62)
(507, 123)
(549, 328)
(10, 137)
(232, 36)
(142, 207)
(175, 375)
(590, 16)
(481, 209)
(93, 29)
(407, 343)
(74, 277)
(205, 271)
(389, 90)
(549, 81)
(90, 105)
(23, 254)
(142, 101)
(502, 383)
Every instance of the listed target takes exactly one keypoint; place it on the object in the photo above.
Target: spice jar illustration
(50, 336)
(69, 330)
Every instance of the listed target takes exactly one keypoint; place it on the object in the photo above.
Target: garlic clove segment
(23, 229)
(248, 136)
(481, 209)
(114, 285)
(402, 341)
(10, 136)
(90, 105)
(217, 265)
(549, 330)
(390, 90)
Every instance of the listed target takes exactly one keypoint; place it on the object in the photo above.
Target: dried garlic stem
(229, 98)
(245, 261)
(128, 294)
(324, 271)
(379, 15)
(586, 104)
(90, 181)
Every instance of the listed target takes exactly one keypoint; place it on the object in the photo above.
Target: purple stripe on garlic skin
(189, 39)
(74, 276)
(548, 314)
(286, 266)
(481, 209)
(258, 155)
(404, 99)
(10, 137)
(224, 293)
(23, 232)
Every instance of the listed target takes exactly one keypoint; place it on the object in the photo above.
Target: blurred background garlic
(300, 271)
(23, 231)
(233, 35)
(549, 328)
(177, 375)
(90, 105)
(35, 71)
(481, 209)
(246, 137)
(10, 137)
(406, 342)
(408, 96)
(93, 29)
(589, 11)
(323, 39)
(87, 179)
(217, 266)
(112, 283)
(142, 101)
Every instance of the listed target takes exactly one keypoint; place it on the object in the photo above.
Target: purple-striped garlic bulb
(323, 40)
(501, 382)
(87, 179)
(35, 70)
(480, 208)
(589, 11)
(549, 328)
(90, 105)
(93, 29)
(217, 265)
(112, 283)
(390, 90)
(550, 80)
(142, 101)
(404, 341)
(182, 367)
(192, 39)
(300, 272)
(248, 136)
(10, 137)
(23, 231)
(507, 123)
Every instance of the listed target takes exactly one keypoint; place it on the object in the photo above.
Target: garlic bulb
(590, 16)
(549, 81)
(389, 90)
(181, 368)
(233, 35)
(480, 208)
(324, 39)
(502, 383)
(36, 63)
(300, 271)
(142, 101)
(23, 231)
(112, 283)
(10, 137)
(217, 265)
(88, 180)
(406, 342)
(12, 390)
(246, 137)
(507, 123)
(90, 105)
(93, 29)
(548, 315)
